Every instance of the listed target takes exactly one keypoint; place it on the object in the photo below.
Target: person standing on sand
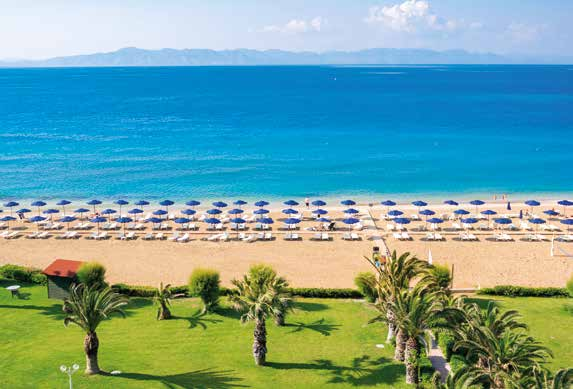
(307, 203)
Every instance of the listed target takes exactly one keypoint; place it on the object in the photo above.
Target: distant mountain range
(132, 56)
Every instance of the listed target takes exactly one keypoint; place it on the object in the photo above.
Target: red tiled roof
(63, 268)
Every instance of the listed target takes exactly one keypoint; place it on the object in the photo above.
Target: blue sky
(46, 28)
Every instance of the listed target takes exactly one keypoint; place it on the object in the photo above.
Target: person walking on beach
(307, 203)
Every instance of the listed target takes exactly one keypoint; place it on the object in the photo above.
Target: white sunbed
(148, 236)
(358, 227)
(139, 226)
(219, 226)
(102, 236)
(268, 236)
(3, 225)
(12, 235)
(130, 236)
(120, 236)
(72, 235)
(291, 236)
(32, 235)
(213, 238)
(540, 237)
(43, 235)
(525, 226)
(159, 236)
(192, 226)
(397, 235)
(406, 236)
(223, 237)
(183, 239)
(249, 238)
(174, 237)
(94, 235)
(325, 236)
(390, 227)
(565, 238)
(456, 226)
(346, 236)
(354, 236)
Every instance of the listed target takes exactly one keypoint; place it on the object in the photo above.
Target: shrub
(523, 291)
(442, 275)
(148, 291)
(366, 284)
(23, 274)
(446, 342)
(204, 283)
(569, 286)
(92, 274)
(326, 293)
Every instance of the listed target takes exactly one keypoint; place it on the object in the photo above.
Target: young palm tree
(416, 312)
(258, 299)
(282, 302)
(393, 278)
(162, 299)
(87, 308)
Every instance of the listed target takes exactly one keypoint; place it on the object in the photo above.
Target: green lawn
(548, 321)
(327, 343)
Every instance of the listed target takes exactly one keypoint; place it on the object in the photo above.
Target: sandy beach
(308, 263)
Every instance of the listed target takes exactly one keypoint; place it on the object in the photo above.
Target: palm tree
(258, 299)
(281, 300)
(162, 299)
(87, 308)
(416, 312)
(393, 278)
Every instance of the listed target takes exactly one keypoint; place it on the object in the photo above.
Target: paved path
(438, 360)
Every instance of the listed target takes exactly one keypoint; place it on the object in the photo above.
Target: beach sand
(306, 263)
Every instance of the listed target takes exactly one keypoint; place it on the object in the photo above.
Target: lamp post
(69, 371)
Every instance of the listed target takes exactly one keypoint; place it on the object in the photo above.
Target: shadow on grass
(198, 319)
(228, 312)
(363, 371)
(318, 326)
(54, 311)
(310, 307)
(205, 378)
(481, 302)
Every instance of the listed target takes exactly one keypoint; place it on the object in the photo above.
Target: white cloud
(298, 26)
(412, 16)
(521, 32)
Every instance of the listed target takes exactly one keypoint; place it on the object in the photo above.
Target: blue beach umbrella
(323, 220)
(537, 222)
(461, 212)
(292, 220)
(470, 220)
(502, 221)
(419, 204)
(214, 211)
(532, 203)
(166, 204)
(261, 211)
(551, 212)
(23, 210)
(348, 202)
(351, 211)
(402, 220)
(212, 221)
(39, 204)
(451, 202)
(7, 219)
(435, 220)
(488, 213)
(350, 221)
(219, 204)
(261, 203)
(235, 211)
(266, 220)
(388, 204)
(121, 203)
(564, 203)
(135, 211)
(193, 203)
(141, 203)
(182, 220)
(318, 203)
(395, 212)
(238, 220)
(50, 211)
(291, 203)
(240, 203)
(124, 220)
(108, 211)
(427, 212)
(153, 220)
(67, 220)
(477, 203)
(98, 220)
(568, 223)
(289, 211)
(11, 204)
(160, 212)
(63, 203)
(188, 212)
(37, 220)
(81, 211)
(320, 211)
(94, 202)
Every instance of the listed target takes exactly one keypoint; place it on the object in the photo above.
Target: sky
(36, 29)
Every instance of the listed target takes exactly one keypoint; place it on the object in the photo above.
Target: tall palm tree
(162, 299)
(87, 308)
(416, 312)
(259, 299)
(282, 301)
(394, 277)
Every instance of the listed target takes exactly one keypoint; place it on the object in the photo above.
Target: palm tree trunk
(391, 326)
(400, 345)
(91, 346)
(411, 361)
(280, 319)
(260, 342)
(164, 312)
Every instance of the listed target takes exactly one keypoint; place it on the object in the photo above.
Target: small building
(61, 275)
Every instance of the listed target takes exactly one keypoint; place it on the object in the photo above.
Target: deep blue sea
(277, 132)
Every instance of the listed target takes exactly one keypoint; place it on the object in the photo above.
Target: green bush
(366, 284)
(204, 283)
(446, 342)
(523, 291)
(569, 286)
(92, 274)
(442, 275)
(326, 293)
(23, 274)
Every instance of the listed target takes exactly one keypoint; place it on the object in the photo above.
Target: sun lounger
(63, 235)
(43, 235)
(250, 238)
(213, 238)
(406, 236)
(358, 227)
(540, 237)
(219, 227)
(3, 225)
(148, 236)
(32, 235)
(224, 237)
(139, 226)
(159, 236)
(268, 236)
(346, 236)
(174, 237)
(120, 236)
(456, 226)
(73, 235)
(354, 236)
(438, 236)
(414, 216)
(291, 236)
(164, 226)
(93, 235)
(325, 236)
(397, 235)
(192, 226)
(390, 227)
(525, 226)
(12, 235)
(130, 236)
(400, 227)
(183, 239)
(565, 238)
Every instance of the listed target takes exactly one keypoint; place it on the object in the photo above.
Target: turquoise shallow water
(279, 132)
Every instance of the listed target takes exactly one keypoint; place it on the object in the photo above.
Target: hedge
(148, 291)
(23, 274)
(523, 291)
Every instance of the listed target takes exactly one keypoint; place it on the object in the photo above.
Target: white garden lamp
(69, 371)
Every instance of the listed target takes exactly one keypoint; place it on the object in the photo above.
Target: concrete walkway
(438, 360)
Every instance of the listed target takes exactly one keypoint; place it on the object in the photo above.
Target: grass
(326, 343)
(549, 321)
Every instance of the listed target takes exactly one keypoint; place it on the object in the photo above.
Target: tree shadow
(362, 371)
(481, 302)
(54, 311)
(318, 326)
(204, 378)
(228, 312)
(310, 307)
(197, 319)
